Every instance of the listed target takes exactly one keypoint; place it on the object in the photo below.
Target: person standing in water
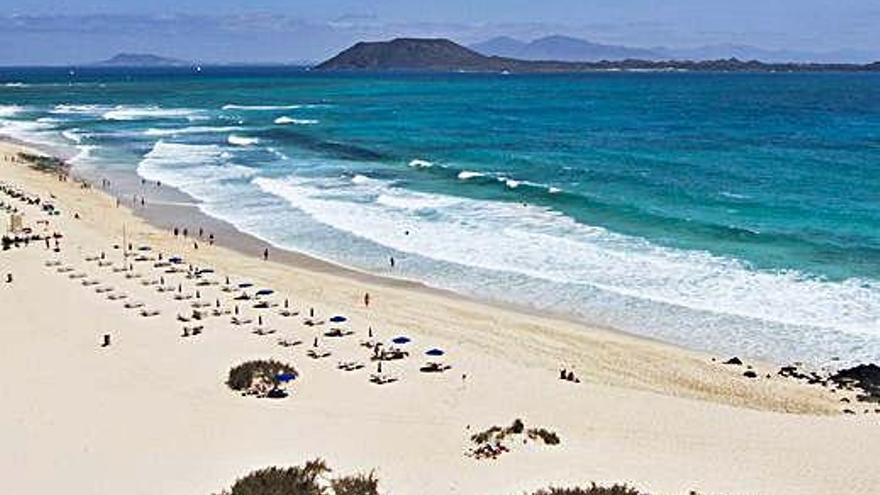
(391, 261)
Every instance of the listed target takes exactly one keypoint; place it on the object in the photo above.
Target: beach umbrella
(245, 285)
(401, 340)
(435, 352)
(285, 377)
(175, 259)
(338, 319)
(145, 248)
(265, 292)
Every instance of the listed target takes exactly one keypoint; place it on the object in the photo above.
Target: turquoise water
(727, 212)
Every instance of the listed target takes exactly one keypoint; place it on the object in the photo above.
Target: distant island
(443, 55)
(570, 49)
(141, 60)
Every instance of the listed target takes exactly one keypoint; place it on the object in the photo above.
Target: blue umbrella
(175, 259)
(338, 319)
(434, 352)
(285, 377)
(265, 292)
(400, 340)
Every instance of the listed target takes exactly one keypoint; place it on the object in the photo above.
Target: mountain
(409, 54)
(568, 49)
(141, 60)
(561, 48)
(442, 55)
(501, 46)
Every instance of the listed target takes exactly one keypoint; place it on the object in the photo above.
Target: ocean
(733, 213)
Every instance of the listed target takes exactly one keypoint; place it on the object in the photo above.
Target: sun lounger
(433, 367)
(338, 332)
(180, 317)
(52, 263)
(103, 264)
(147, 313)
(264, 331)
(381, 379)
(241, 321)
(148, 283)
(102, 290)
(76, 275)
(182, 297)
(133, 275)
(116, 297)
(287, 314)
(289, 343)
(64, 269)
(89, 283)
(133, 305)
(317, 354)
(120, 269)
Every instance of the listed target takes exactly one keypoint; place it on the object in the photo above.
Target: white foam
(154, 131)
(467, 174)
(419, 163)
(79, 109)
(242, 140)
(198, 170)
(290, 120)
(125, 112)
(554, 190)
(72, 135)
(547, 245)
(10, 110)
(16, 84)
(512, 184)
(232, 106)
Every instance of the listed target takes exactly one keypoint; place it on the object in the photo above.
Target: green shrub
(282, 481)
(592, 490)
(359, 484)
(303, 480)
(549, 437)
(255, 374)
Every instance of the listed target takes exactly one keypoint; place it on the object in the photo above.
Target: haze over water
(734, 213)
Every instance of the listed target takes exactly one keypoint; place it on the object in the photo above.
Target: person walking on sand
(391, 261)
(211, 240)
(266, 254)
(366, 299)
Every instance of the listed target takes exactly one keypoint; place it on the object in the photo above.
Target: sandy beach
(151, 414)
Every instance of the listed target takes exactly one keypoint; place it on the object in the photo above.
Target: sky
(310, 30)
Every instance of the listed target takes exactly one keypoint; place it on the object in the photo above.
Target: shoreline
(162, 217)
(138, 413)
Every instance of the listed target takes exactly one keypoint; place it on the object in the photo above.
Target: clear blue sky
(311, 29)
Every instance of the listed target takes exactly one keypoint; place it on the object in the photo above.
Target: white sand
(151, 414)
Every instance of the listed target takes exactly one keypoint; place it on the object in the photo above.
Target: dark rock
(750, 374)
(848, 411)
(734, 361)
(865, 377)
